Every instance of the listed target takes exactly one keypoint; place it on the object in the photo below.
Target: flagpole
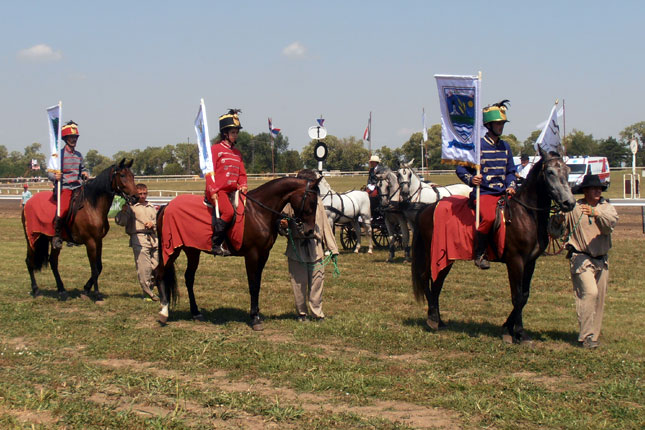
(369, 136)
(478, 142)
(60, 156)
(422, 141)
(564, 126)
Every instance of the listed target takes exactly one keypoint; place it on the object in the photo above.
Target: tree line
(345, 154)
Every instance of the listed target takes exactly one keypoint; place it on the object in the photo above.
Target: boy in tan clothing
(140, 221)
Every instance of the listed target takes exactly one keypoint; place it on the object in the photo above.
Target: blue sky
(132, 73)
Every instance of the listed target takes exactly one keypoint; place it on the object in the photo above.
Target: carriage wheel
(380, 237)
(555, 246)
(347, 237)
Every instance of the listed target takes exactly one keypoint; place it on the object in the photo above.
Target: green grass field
(370, 365)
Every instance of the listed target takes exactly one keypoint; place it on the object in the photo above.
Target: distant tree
(390, 157)
(135, 155)
(187, 156)
(528, 147)
(346, 154)
(578, 143)
(411, 149)
(96, 162)
(290, 161)
(3, 152)
(615, 151)
(637, 131)
(514, 143)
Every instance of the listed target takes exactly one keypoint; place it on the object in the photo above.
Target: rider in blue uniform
(496, 178)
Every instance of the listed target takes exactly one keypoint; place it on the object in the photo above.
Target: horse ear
(542, 153)
(129, 163)
(120, 165)
(409, 164)
(318, 181)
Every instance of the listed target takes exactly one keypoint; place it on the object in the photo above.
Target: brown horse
(262, 215)
(89, 225)
(526, 239)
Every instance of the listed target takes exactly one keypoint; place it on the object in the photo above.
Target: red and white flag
(368, 130)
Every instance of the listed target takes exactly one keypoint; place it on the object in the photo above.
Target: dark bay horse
(526, 239)
(262, 215)
(89, 226)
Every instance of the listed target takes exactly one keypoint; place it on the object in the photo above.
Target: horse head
(304, 207)
(388, 186)
(123, 181)
(404, 176)
(555, 174)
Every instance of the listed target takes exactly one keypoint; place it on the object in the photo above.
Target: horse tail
(168, 273)
(421, 245)
(41, 253)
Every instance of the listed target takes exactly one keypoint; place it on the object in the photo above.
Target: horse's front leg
(53, 263)
(370, 241)
(192, 255)
(359, 232)
(93, 249)
(405, 237)
(254, 265)
(390, 237)
(519, 277)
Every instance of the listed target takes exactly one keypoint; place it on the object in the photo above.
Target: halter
(527, 206)
(390, 194)
(118, 190)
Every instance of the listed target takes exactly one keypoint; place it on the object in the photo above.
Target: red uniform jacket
(229, 170)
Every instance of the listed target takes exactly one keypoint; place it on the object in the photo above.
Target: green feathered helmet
(495, 112)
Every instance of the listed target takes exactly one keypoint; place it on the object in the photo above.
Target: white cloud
(294, 50)
(40, 53)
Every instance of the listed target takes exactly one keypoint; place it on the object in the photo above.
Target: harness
(339, 213)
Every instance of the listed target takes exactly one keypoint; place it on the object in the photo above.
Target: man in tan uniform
(140, 222)
(589, 227)
(305, 259)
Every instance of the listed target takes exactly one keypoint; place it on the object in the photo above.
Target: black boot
(219, 234)
(57, 240)
(481, 244)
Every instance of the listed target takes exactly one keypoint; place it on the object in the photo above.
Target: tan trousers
(589, 276)
(307, 284)
(146, 258)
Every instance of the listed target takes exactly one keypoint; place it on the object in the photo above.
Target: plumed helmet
(230, 120)
(495, 112)
(69, 129)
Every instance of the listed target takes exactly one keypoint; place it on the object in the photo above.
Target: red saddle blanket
(187, 221)
(40, 211)
(454, 234)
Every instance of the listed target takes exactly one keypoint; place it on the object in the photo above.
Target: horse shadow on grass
(223, 315)
(69, 294)
(477, 329)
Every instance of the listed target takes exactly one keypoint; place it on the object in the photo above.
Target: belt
(573, 250)
(145, 232)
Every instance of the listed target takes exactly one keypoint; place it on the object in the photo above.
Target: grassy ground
(370, 365)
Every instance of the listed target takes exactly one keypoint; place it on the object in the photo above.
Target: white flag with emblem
(54, 121)
(549, 139)
(461, 119)
(203, 140)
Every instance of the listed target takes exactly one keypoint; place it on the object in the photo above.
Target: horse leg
(192, 255)
(405, 236)
(390, 237)
(370, 241)
(53, 263)
(519, 277)
(359, 233)
(432, 296)
(30, 261)
(254, 263)
(93, 250)
(167, 285)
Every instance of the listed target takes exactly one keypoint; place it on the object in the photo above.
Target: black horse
(263, 212)
(526, 239)
(89, 226)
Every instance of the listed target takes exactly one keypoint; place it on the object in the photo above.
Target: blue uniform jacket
(497, 168)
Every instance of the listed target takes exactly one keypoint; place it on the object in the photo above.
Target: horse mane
(98, 186)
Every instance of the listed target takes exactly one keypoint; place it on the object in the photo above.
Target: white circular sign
(317, 132)
(321, 151)
(633, 145)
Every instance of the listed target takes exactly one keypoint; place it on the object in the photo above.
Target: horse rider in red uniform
(496, 178)
(72, 171)
(229, 175)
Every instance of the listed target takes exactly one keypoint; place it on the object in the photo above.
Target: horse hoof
(433, 325)
(507, 338)
(199, 317)
(162, 319)
(62, 296)
(356, 251)
(99, 299)
(370, 252)
(36, 293)
(257, 326)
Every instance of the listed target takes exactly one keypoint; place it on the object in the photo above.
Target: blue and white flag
(461, 119)
(425, 129)
(203, 141)
(549, 139)
(55, 123)
(274, 131)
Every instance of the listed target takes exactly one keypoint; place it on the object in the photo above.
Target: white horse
(390, 198)
(415, 192)
(347, 208)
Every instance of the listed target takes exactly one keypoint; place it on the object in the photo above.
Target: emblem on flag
(54, 114)
(461, 115)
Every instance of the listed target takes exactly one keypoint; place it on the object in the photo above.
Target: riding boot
(57, 240)
(481, 245)
(219, 234)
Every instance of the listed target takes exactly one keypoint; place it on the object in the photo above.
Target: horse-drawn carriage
(348, 238)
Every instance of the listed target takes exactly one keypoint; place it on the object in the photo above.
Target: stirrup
(482, 262)
(220, 250)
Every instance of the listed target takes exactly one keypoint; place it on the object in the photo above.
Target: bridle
(116, 189)
(391, 192)
(555, 206)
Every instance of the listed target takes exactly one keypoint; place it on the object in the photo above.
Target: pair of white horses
(402, 195)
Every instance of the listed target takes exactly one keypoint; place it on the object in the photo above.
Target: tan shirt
(134, 218)
(592, 234)
(312, 250)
